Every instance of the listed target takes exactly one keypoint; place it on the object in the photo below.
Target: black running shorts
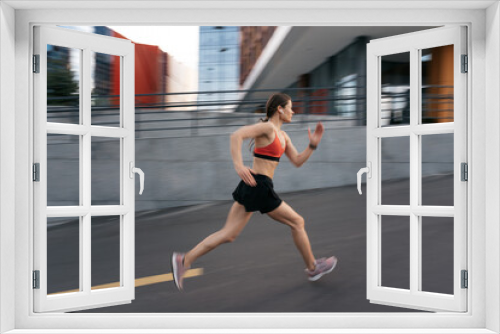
(261, 198)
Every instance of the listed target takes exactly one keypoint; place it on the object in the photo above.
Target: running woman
(255, 191)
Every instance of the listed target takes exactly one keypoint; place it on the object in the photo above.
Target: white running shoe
(323, 267)
(178, 269)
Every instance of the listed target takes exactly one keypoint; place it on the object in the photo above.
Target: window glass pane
(228, 85)
(63, 255)
(212, 56)
(228, 72)
(63, 84)
(437, 84)
(230, 37)
(106, 81)
(230, 55)
(395, 90)
(395, 171)
(209, 37)
(63, 170)
(106, 171)
(437, 169)
(437, 254)
(207, 72)
(106, 245)
(395, 242)
(345, 101)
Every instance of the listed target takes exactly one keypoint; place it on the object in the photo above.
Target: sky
(179, 41)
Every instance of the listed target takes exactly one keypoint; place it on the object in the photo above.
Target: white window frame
(483, 102)
(413, 213)
(85, 43)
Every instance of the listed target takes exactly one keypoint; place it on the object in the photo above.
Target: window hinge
(36, 279)
(36, 63)
(465, 279)
(465, 63)
(36, 172)
(465, 172)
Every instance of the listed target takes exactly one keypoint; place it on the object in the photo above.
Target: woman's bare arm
(298, 159)
(237, 137)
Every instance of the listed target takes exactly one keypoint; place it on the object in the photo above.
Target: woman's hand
(315, 138)
(245, 175)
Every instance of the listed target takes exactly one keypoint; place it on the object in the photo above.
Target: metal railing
(192, 112)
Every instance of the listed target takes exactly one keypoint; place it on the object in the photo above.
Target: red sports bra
(272, 151)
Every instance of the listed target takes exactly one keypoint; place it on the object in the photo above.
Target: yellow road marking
(148, 280)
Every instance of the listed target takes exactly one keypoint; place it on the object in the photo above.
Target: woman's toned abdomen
(264, 167)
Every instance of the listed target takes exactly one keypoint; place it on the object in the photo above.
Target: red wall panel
(148, 73)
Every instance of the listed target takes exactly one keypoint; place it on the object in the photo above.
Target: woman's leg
(286, 215)
(235, 222)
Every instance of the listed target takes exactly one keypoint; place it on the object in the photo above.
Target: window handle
(368, 171)
(141, 175)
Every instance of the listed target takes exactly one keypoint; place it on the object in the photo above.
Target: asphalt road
(262, 271)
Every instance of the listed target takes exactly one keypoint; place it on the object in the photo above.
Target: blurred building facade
(341, 76)
(62, 79)
(437, 81)
(180, 78)
(156, 74)
(219, 66)
(323, 69)
(253, 41)
(150, 71)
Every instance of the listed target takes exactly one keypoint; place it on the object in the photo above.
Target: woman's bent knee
(231, 238)
(298, 223)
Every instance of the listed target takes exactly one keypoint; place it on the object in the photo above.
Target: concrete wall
(185, 170)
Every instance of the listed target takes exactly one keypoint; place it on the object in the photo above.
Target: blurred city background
(184, 114)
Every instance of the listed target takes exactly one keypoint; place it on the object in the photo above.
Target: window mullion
(86, 178)
(415, 249)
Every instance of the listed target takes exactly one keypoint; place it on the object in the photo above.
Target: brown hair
(274, 101)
